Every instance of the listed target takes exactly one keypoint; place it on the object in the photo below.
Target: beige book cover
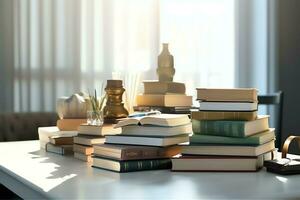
(236, 94)
(164, 100)
(69, 124)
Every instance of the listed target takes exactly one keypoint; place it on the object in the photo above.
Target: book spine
(138, 165)
(220, 128)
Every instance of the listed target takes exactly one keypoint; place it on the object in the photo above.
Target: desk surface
(31, 172)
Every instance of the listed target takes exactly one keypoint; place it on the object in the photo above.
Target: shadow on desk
(7, 194)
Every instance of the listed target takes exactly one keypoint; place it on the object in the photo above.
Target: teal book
(231, 128)
(257, 139)
(131, 165)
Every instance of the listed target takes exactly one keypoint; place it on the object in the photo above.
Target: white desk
(33, 173)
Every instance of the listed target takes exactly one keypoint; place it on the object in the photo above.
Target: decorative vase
(73, 107)
(165, 69)
(95, 118)
(114, 108)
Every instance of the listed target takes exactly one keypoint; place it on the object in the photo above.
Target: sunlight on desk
(282, 179)
(46, 176)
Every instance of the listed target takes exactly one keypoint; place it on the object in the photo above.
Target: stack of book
(60, 144)
(228, 134)
(146, 143)
(89, 135)
(52, 139)
(167, 97)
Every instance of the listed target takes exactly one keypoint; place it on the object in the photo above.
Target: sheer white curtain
(65, 46)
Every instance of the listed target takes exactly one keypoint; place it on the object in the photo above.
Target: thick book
(46, 132)
(89, 140)
(157, 130)
(231, 128)
(257, 139)
(147, 141)
(157, 119)
(157, 87)
(61, 140)
(236, 94)
(169, 100)
(227, 106)
(219, 163)
(131, 165)
(83, 157)
(59, 149)
(228, 150)
(106, 129)
(218, 115)
(131, 152)
(69, 124)
(83, 149)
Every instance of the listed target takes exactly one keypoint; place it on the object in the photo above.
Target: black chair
(275, 99)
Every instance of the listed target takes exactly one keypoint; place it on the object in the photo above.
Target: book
(83, 157)
(45, 132)
(106, 129)
(131, 152)
(236, 94)
(60, 140)
(69, 124)
(157, 87)
(147, 141)
(157, 119)
(228, 150)
(146, 130)
(257, 139)
(227, 106)
(89, 140)
(170, 100)
(59, 149)
(231, 128)
(219, 163)
(131, 165)
(83, 149)
(219, 115)
(163, 109)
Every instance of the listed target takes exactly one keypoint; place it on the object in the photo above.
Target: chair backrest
(275, 99)
(24, 126)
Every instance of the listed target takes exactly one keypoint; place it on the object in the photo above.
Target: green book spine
(220, 128)
(139, 165)
(207, 139)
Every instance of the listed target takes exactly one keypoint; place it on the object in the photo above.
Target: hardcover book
(83, 149)
(218, 94)
(83, 157)
(157, 130)
(164, 100)
(157, 87)
(59, 149)
(89, 140)
(219, 163)
(219, 115)
(158, 119)
(228, 106)
(231, 128)
(144, 140)
(228, 150)
(85, 129)
(60, 140)
(69, 124)
(131, 152)
(257, 139)
(132, 165)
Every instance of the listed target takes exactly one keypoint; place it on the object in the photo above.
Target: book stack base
(228, 134)
(145, 143)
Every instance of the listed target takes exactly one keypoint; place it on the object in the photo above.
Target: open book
(158, 120)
